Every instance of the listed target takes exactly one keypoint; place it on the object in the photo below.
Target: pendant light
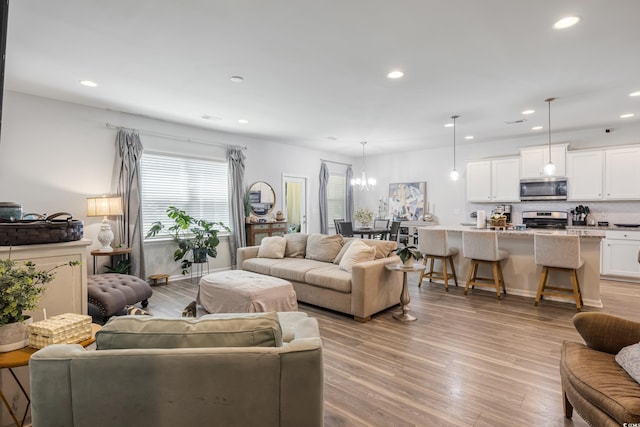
(454, 173)
(363, 183)
(549, 168)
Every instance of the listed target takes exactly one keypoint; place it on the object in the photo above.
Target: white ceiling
(315, 71)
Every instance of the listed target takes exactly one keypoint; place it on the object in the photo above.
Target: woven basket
(499, 222)
(34, 232)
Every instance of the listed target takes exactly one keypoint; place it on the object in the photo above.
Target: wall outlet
(456, 211)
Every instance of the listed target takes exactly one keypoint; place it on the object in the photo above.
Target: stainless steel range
(545, 219)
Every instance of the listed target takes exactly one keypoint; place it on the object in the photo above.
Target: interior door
(295, 202)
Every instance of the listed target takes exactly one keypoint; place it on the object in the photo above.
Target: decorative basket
(48, 230)
(498, 222)
(68, 328)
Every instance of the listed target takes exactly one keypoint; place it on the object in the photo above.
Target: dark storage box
(40, 231)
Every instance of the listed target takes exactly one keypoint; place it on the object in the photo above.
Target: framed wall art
(407, 200)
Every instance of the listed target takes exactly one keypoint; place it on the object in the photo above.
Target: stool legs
(497, 280)
(445, 273)
(544, 289)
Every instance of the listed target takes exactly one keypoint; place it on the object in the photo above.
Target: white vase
(409, 262)
(14, 335)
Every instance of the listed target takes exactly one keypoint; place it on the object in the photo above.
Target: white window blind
(336, 196)
(198, 186)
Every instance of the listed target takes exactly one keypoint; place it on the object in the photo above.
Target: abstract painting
(407, 200)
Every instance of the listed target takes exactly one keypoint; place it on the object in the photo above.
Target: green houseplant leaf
(407, 252)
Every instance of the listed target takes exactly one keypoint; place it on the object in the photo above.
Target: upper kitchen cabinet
(584, 175)
(533, 159)
(622, 173)
(493, 180)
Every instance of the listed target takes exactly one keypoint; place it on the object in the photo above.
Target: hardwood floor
(467, 361)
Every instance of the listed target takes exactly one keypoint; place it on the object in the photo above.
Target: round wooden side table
(404, 315)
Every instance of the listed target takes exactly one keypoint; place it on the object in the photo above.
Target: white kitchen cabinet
(479, 181)
(620, 253)
(622, 173)
(494, 180)
(584, 175)
(533, 160)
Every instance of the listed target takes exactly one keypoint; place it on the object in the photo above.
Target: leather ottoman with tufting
(110, 293)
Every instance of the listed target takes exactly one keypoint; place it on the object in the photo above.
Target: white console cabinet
(620, 250)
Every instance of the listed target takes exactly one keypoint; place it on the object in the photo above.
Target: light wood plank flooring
(467, 361)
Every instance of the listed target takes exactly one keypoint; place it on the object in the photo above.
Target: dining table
(372, 231)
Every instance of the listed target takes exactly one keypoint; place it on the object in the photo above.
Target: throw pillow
(296, 245)
(358, 252)
(323, 247)
(272, 247)
(629, 359)
(153, 332)
(346, 242)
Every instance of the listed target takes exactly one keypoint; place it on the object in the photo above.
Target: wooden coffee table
(20, 357)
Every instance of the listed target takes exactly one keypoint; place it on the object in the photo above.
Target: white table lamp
(104, 206)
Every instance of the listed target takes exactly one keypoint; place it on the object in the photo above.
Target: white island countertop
(521, 274)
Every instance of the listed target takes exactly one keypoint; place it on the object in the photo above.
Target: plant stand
(199, 267)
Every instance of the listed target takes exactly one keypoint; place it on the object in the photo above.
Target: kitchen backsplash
(613, 212)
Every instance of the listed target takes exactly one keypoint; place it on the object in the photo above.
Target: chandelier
(363, 183)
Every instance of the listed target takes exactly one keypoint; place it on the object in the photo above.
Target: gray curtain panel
(128, 230)
(349, 199)
(324, 203)
(236, 158)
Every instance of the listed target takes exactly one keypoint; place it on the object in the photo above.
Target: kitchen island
(521, 274)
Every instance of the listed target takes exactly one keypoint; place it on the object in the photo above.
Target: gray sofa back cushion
(149, 332)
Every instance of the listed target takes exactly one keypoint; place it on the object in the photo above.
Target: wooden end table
(20, 357)
(119, 253)
(404, 315)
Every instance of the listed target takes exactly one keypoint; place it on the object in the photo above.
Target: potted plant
(409, 254)
(246, 200)
(364, 216)
(21, 287)
(196, 238)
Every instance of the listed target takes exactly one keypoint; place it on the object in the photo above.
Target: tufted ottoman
(239, 291)
(110, 293)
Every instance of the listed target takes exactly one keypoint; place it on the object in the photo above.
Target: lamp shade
(104, 206)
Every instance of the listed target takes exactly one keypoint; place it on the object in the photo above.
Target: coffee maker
(504, 210)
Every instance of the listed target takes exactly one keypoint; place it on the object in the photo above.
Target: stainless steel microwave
(549, 188)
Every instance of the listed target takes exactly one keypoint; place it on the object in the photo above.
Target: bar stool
(558, 252)
(434, 245)
(482, 247)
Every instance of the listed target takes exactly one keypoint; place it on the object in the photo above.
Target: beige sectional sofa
(315, 265)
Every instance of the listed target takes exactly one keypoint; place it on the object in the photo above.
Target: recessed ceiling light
(567, 22)
(396, 74)
(468, 137)
(525, 112)
(210, 117)
(635, 93)
(237, 79)
(243, 121)
(536, 128)
(88, 83)
(626, 116)
(449, 125)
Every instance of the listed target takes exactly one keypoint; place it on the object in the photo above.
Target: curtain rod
(179, 138)
(338, 163)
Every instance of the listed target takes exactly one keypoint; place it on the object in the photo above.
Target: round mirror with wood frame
(262, 198)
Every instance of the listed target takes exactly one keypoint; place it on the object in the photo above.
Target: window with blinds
(198, 186)
(336, 197)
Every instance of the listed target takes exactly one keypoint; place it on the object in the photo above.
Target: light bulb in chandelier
(549, 169)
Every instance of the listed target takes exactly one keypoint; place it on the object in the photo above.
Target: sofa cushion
(358, 252)
(346, 242)
(294, 268)
(384, 248)
(323, 247)
(597, 377)
(272, 247)
(329, 276)
(149, 332)
(629, 359)
(296, 245)
(260, 265)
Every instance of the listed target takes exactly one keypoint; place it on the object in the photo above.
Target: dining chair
(378, 224)
(336, 223)
(394, 231)
(346, 228)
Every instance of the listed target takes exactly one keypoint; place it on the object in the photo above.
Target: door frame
(304, 226)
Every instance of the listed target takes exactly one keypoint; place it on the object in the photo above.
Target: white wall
(54, 154)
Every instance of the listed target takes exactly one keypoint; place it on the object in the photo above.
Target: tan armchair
(592, 382)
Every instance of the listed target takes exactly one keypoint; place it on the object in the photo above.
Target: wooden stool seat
(561, 253)
(156, 277)
(434, 245)
(482, 247)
